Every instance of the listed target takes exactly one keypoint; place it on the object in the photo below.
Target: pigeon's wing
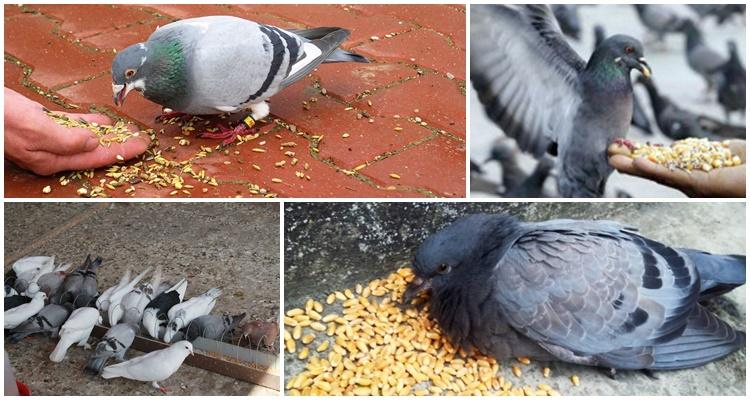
(524, 72)
(317, 45)
(596, 289)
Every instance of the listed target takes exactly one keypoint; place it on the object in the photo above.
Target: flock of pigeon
(42, 297)
(566, 110)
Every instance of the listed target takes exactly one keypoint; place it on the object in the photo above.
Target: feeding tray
(222, 358)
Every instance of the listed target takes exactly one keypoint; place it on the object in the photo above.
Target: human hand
(719, 182)
(33, 141)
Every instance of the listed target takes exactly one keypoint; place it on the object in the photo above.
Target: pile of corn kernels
(375, 348)
(689, 154)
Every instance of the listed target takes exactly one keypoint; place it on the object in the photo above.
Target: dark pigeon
(49, 320)
(475, 168)
(155, 313)
(701, 58)
(114, 343)
(15, 301)
(541, 93)
(678, 123)
(568, 18)
(585, 292)
(660, 19)
(216, 327)
(732, 89)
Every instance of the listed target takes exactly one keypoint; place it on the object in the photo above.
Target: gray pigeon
(702, 59)
(216, 327)
(540, 92)
(79, 287)
(48, 320)
(114, 343)
(732, 87)
(585, 292)
(223, 64)
(660, 19)
(50, 282)
(678, 123)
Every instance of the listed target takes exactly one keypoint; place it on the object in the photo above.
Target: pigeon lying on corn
(223, 64)
(585, 292)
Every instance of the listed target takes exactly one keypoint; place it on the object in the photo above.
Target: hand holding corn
(696, 167)
(36, 142)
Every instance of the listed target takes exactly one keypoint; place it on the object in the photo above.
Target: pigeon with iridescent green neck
(223, 64)
(544, 95)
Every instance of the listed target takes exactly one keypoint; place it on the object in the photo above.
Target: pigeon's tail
(718, 273)
(339, 55)
(324, 42)
(706, 338)
(113, 371)
(58, 353)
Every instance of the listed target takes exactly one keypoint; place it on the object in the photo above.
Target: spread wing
(524, 72)
(596, 289)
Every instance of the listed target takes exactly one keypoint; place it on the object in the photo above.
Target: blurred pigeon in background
(568, 19)
(701, 58)
(732, 89)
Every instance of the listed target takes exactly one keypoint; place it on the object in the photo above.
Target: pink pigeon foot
(228, 135)
(625, 142)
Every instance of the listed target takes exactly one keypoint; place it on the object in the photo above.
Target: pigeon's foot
(625, 142)
(228, 135)
(167, 116)
(156, 385)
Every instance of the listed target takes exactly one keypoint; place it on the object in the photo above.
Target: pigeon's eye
(629, 49)
(443, 268)
(129, 73)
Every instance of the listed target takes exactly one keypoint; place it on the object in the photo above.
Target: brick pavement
(404, 113)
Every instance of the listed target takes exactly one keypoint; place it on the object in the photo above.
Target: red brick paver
(352, 125)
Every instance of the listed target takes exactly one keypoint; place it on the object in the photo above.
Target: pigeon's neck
(166, 73)
(603, 77)
(694, 38)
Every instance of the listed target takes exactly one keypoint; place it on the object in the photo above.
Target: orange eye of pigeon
(129, 73)
(629, 50)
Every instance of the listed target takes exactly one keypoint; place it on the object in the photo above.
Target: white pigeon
(102, 303)
(18, 315)
(160, 305)
(31, 264)
(152, 367)
(29, 268)
(181, 314)
(116, 298)
(76, 329)
(135, 301)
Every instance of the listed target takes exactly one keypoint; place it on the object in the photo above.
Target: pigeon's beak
(119, 92)
(644, 68)
(415, 288)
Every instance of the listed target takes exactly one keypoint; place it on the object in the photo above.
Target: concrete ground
(671, 73)
(352, 124)
(232, 246)
(336, 245)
